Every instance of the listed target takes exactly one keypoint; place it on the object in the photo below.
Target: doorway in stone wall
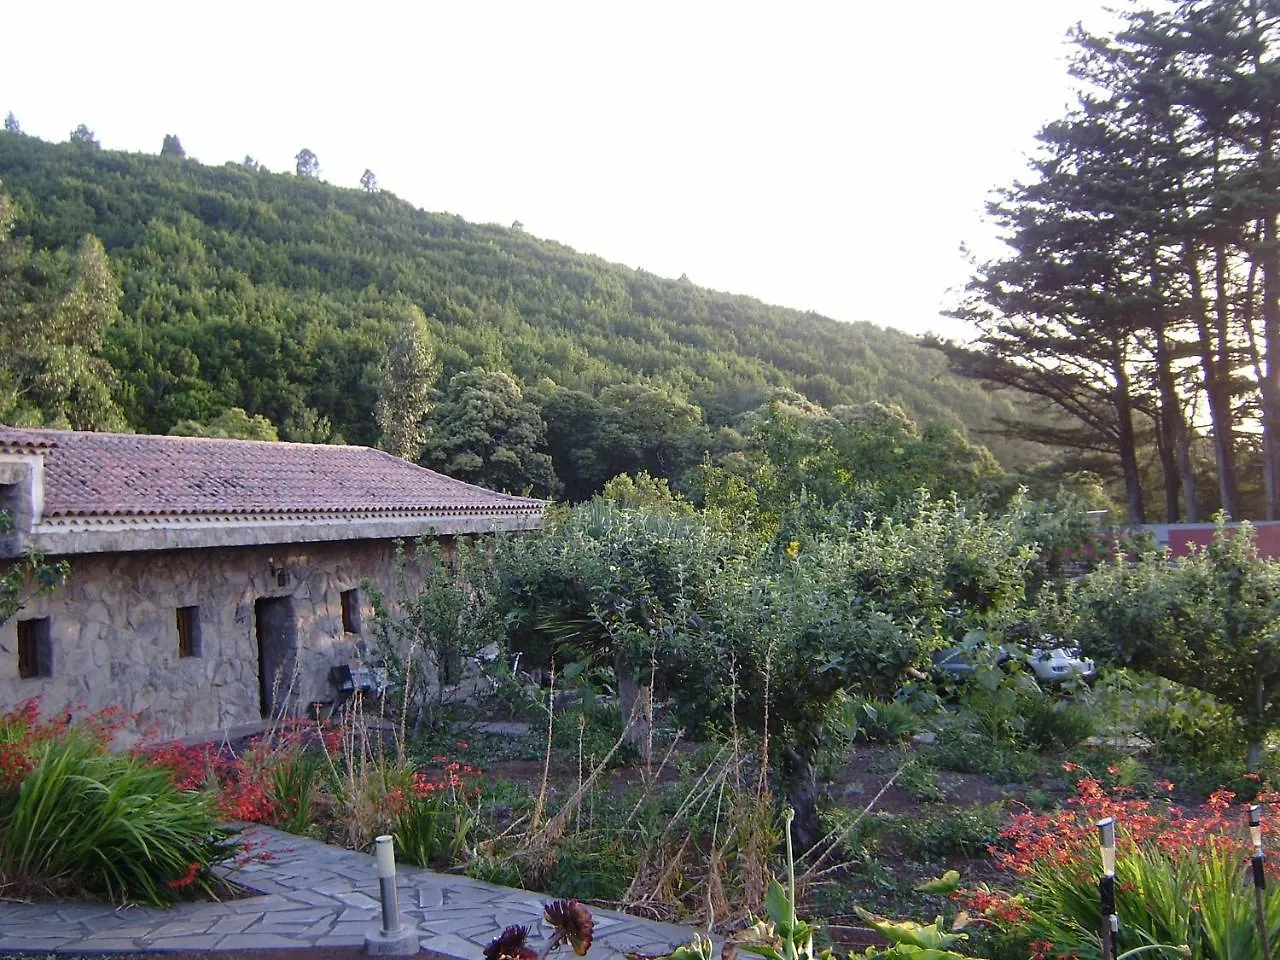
(277, 629)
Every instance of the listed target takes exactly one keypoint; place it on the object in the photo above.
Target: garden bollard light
(1259, 878)
(394, 939)
(1107, 887)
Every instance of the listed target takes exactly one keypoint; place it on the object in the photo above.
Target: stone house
(212, 582)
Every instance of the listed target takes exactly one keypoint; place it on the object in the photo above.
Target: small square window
(35, 650)
(188, 631)
(351, 611)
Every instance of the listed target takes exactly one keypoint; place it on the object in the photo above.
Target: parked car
(1050, 664)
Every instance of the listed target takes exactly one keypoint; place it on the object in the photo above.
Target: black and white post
(394, 939)
(1259, 879)
(1107, 888)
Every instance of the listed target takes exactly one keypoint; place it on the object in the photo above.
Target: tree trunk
(636, 703)
(802, 793)
(1270, 385)
(1167, 435)
(1125, 435)
(1217, 388)
(1186, 469)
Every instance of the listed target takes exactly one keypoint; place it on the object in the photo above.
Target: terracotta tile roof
(107, 474)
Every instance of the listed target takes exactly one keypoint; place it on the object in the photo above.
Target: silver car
(1049, 664)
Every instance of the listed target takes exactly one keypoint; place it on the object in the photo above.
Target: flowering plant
(434, 817)
(1179, 876)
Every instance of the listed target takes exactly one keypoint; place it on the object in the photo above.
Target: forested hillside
(283, 295)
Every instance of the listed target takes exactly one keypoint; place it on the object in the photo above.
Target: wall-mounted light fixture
(279, 573)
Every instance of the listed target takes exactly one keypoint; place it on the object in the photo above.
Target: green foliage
(279, 294)
(30, 572)
(1054, 723)
(406, 378)
(958, 747)
(54, 312)
(172, 147)
(294, 784)
(873, 457)
(967, 831)
(919, 777)
(1198, 897)
(483, 431)
(886, 721)
(109, 825)
(426, 635)
(434, 828)
(1210, 621)
(234, 424)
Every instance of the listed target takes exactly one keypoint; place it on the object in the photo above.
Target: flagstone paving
(315, 895)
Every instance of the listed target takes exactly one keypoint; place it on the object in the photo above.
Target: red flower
(188, 878)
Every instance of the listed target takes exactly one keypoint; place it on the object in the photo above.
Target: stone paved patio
(317, 895)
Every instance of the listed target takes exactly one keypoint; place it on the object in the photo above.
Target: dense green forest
(330, 312)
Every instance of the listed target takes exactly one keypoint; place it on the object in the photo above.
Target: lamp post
(395, 939)
(1107, 887)
(1259, 878)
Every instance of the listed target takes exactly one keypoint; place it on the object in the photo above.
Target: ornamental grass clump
(76, 820)
(1180, 877)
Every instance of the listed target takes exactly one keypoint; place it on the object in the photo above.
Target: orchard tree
(308, 164)
(1210, 620)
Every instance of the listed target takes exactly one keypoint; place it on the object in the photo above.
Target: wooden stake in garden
(1107, 887)
(1259, 878)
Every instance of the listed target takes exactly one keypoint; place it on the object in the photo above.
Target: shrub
(294, 789)
(1054, 724)
(108, 825)
(1207, 620)
(886, 721)
(920, 779)
(959, 830)
(960, 749)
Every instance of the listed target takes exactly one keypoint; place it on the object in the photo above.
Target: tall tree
(85, 137)
(53, 315)
(172, 147)
(407, 377)
(308, 164)
(484, 431)
(1178, 197)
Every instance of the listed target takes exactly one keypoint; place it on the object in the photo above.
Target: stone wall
(114, 631)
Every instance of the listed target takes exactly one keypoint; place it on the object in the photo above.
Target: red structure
(1178, 537)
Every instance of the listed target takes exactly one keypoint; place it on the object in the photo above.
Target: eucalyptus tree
(308, 164)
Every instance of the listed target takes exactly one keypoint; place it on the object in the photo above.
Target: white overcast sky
(825, 156)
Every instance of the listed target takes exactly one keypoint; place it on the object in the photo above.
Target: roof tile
(106, 474)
